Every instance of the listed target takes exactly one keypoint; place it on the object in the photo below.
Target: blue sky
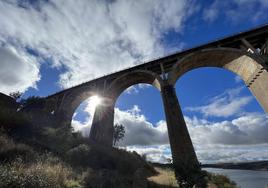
(47, 46)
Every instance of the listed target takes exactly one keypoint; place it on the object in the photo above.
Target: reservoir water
(244, 178)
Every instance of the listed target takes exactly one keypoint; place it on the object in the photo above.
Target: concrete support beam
(249, 46)
(259, 88)
(183, 154)
(102, 126)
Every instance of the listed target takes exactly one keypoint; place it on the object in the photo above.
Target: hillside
(45, 157)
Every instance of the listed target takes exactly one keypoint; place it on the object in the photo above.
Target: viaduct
(245, 54)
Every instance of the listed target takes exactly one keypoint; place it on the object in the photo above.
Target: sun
(95, 101)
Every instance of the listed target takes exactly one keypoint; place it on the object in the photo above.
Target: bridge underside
(245, 54)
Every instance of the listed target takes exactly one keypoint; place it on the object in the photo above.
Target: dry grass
(37, 175)
(166, 177)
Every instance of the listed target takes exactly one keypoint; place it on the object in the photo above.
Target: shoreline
(253, 165)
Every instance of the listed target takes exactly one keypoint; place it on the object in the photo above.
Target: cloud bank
(229, 103)
(242, 138)
(86, 39)
(18, 72)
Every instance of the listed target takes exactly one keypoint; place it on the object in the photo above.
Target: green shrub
(10, 151)
(59, 140)
(106, 178)
(222, 181)
(10, 118)
(32, 100)
(98, 157)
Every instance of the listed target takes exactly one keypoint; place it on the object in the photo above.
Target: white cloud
(241, 139)
(91, 38)
(224, 105)
(18, 71)
(155, 153)
(211, 14)
(238, 79)
(139, 131)
(248, 129)
(136, 88)
(224, 153)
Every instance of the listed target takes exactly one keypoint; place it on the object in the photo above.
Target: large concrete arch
(135, 77)
(250, 67)
(103, 121)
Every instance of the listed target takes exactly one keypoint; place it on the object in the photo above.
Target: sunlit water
(244, 178)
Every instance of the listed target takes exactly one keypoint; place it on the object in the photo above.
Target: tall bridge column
(183, 154)
(259, 87)
(102, 126)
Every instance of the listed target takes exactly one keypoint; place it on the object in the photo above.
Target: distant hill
(255, 165)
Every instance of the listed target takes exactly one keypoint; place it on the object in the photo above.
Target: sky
(50, 45)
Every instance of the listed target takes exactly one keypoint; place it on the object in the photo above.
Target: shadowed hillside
(32, 156)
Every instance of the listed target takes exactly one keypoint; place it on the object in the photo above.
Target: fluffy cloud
(241, 139)
(18, 71)
(249, 129)
(90, 38)
(229, 103)
(139, 131)
(155, 153)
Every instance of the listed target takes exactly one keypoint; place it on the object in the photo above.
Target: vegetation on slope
(42, 157)
(33, 156)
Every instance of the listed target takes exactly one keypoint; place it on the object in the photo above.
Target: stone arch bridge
(245, 54)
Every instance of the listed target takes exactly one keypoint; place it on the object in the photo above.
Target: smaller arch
(238, 61)
(135, 77)
(71, 101)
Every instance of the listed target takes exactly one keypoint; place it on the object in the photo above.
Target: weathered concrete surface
(259, 87)
(121, 83)
(183, 154)
(102, 126)
(239, 62)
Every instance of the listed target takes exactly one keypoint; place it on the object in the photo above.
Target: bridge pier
(259, 87)
(102, 125)
(184, 158)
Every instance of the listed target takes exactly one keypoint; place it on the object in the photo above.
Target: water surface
(244, 178)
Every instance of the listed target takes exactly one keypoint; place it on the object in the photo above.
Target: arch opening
(239, 62)
(139, 108)
(251, 68)
(135, 77)
(83, 116)
(105, 114)
(222, 116)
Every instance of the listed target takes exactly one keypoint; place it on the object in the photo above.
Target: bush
(99, 157)
(10, 151)
(59, 140)
(36, 175)
(32, 100)
(11, 118)
(222, 181)
(106, 178)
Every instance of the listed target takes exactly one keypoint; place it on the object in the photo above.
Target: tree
(119, 133)
(32, 100)
(15, 95)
